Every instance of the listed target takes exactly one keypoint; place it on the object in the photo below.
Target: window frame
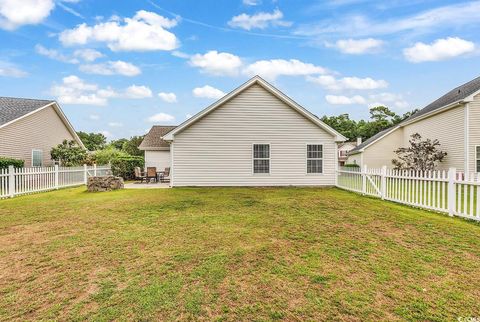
(41, 159)
(476, 159)
(321, 159)
(269, 159)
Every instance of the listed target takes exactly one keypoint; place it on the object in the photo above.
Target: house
(157, 151)
(253, 136)
(344, 148)
(453, 119)
(29, 128)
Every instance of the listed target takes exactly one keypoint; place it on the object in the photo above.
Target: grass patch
(233, 254)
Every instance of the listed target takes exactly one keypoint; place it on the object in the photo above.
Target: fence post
(56, 176)
(364, 179)
(383, 183)
(94, 169)
(11, 181)
(452, 172)
(85, 174)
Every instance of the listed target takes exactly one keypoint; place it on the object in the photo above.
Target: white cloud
(433, 20)
(260, 20)
(94, 117)
(344, 100)
(208, 91)
(115, 124)
(216, 63)
(252, 2)
(330, 82)
(111, 68)
(135, 91)
(168, 97)
(271, 69)
(146, 31)
(15, 13)
(107, 134)
(10, 70)
(357, 46)
(55, 54)
(74, 90)
(87, 54)
(440, 49)
(161, 117)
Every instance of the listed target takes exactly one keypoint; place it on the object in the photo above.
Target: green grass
(233, 254)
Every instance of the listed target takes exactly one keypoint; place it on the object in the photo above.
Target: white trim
(321, 159)
(467, 140)
(255, 80)
(470, 98)
(172, 168)
(475, 166)
(41, 161)
(269, 159)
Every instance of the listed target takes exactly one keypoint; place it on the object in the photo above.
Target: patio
(143, 185)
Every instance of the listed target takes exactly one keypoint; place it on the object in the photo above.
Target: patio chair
(152, 174)
(139, 175)
(165, 175)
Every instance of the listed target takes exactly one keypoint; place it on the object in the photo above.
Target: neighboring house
(253, 136)
(29, 129)
(453, 119)
(157, 151)
(344, 148)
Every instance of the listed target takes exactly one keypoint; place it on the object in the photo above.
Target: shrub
(107, 155)
(5, 162)
(69, 154)
(124, 166)
(351, 165)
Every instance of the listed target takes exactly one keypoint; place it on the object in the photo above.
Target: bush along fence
(20, 181)
(451, 192)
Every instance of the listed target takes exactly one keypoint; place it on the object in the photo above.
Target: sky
(119, 67)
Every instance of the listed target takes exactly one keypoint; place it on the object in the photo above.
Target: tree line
(381, 118)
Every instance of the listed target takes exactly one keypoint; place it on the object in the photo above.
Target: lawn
(233, 254)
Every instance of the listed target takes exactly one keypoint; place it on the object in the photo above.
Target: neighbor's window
(477, 158)
(314, 158)
(261, 158)
(37, 158)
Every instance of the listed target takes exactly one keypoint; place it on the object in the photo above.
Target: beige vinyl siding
(449, 128)
(381, 153)
(158, 159)
(355, 159)
(474, 130)
(41, 130)
(217, 149)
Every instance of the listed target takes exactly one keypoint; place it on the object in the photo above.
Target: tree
(68, 153)
(118, 144)
(131, 146)
(343, 124)
(421, 155)
(93, 141)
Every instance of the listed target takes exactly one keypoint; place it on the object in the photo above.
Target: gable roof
(13, 109)
(270, 88)
(458, 95)
(153, 140)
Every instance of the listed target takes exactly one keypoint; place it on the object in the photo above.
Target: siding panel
(217, 150)
(474, 130)
(42, 130)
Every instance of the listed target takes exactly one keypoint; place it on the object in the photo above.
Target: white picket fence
(20, 181)
(452, 192)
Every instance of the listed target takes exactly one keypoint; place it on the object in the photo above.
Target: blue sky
(119, 67)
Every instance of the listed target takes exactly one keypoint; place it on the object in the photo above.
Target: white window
(477, 158)
(37, 158)
(314, 158)
(261, 158)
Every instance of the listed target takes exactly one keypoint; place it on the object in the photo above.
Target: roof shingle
(13, 108)
(154, 137)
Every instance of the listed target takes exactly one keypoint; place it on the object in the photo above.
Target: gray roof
(154, 137)
(370, 140)
(457, 94)
(12, 108)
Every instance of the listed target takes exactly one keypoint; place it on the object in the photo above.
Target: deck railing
(452, 192)
(20, 181)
